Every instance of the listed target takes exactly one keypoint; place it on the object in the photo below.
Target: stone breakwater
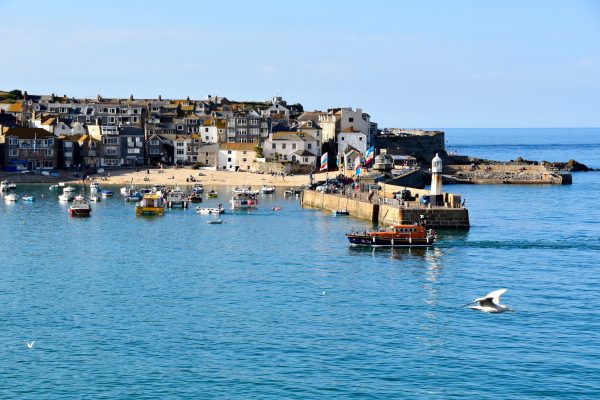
(383, 209)
(504, 174)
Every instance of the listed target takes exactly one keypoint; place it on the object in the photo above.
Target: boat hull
(74, 212)
(372, 241)
(149, 210)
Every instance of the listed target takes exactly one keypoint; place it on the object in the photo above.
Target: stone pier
(384, 210)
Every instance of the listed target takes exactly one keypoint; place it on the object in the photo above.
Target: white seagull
(30, 344)
(490, 303)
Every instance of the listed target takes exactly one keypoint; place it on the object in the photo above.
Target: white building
(353, 139)
(236, 156)
(292, 146)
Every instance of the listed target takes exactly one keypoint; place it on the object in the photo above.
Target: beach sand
(178, 176)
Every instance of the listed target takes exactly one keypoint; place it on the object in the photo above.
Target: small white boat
(11, 198)
(5, 186)
(28, 198)
(210, 210)
(95, 198)
(267, 189)
(198, 188)
(94, 187)
(53, 187)
(106, 193)
(215, 222)
(69, 189)
(245, 190)
(65, 197)
(79, 197)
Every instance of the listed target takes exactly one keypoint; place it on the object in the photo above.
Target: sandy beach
(181, 177)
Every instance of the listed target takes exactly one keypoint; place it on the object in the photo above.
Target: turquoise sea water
(277, 305)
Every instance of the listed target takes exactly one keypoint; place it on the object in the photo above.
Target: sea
(277, 305)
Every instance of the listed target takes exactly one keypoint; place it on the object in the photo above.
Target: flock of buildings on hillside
(50, 132)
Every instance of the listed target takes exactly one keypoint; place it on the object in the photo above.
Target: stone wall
(386, 214)
(440, 218)
(359, 209)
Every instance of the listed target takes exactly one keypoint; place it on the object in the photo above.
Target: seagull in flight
(30, 344)
(490, 303)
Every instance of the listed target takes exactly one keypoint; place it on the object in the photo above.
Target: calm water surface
(277, 305)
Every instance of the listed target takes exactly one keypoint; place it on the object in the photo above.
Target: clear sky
(407, 63)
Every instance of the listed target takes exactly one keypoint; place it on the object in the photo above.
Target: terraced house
(29, 148)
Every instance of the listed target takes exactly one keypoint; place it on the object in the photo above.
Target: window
(111, 120)
(244, 159)
(112, 110)
(293, 146)
(13, 153)
(206, 130)
(283, 145)
(154, 151)
(13, 141)
(350, 119)
(274, 145)
(133, 151)
(68, 154)
(180, 152)
(309, 145)
(360, 139)
(228, 151)
(49, 152)
(109, 151)
(179, 127)
(305, 159)
(254, 131)
(244, 152)
(206, 154)
(253, 122)
(228, 159)
(68, 145)
(206, 138)
(110, 140)
(242, 131)
(180, 144)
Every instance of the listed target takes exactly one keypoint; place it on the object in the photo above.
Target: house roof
(132, 131)
(237, 146)
(28, 133)
(304, 153)
(15, 107)
(292, 136)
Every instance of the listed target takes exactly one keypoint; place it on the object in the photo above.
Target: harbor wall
(357, 208)
(440, 217)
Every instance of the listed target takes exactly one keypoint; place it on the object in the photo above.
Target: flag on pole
(370, 154)
(357, 168)
(324, 162)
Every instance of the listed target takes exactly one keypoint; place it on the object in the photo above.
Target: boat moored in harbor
(210, 210)
(151, 204)
(394, 236)
(244, 200)
(80, 208)
(177, 198)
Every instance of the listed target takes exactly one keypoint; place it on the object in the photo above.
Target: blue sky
(409, 64)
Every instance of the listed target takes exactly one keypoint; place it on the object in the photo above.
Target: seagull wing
(495, 295)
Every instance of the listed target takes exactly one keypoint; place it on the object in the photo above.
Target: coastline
(170, 177)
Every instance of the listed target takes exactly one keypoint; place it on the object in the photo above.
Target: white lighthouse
(436, 175)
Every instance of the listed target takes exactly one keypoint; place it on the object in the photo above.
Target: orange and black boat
(394, 236)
